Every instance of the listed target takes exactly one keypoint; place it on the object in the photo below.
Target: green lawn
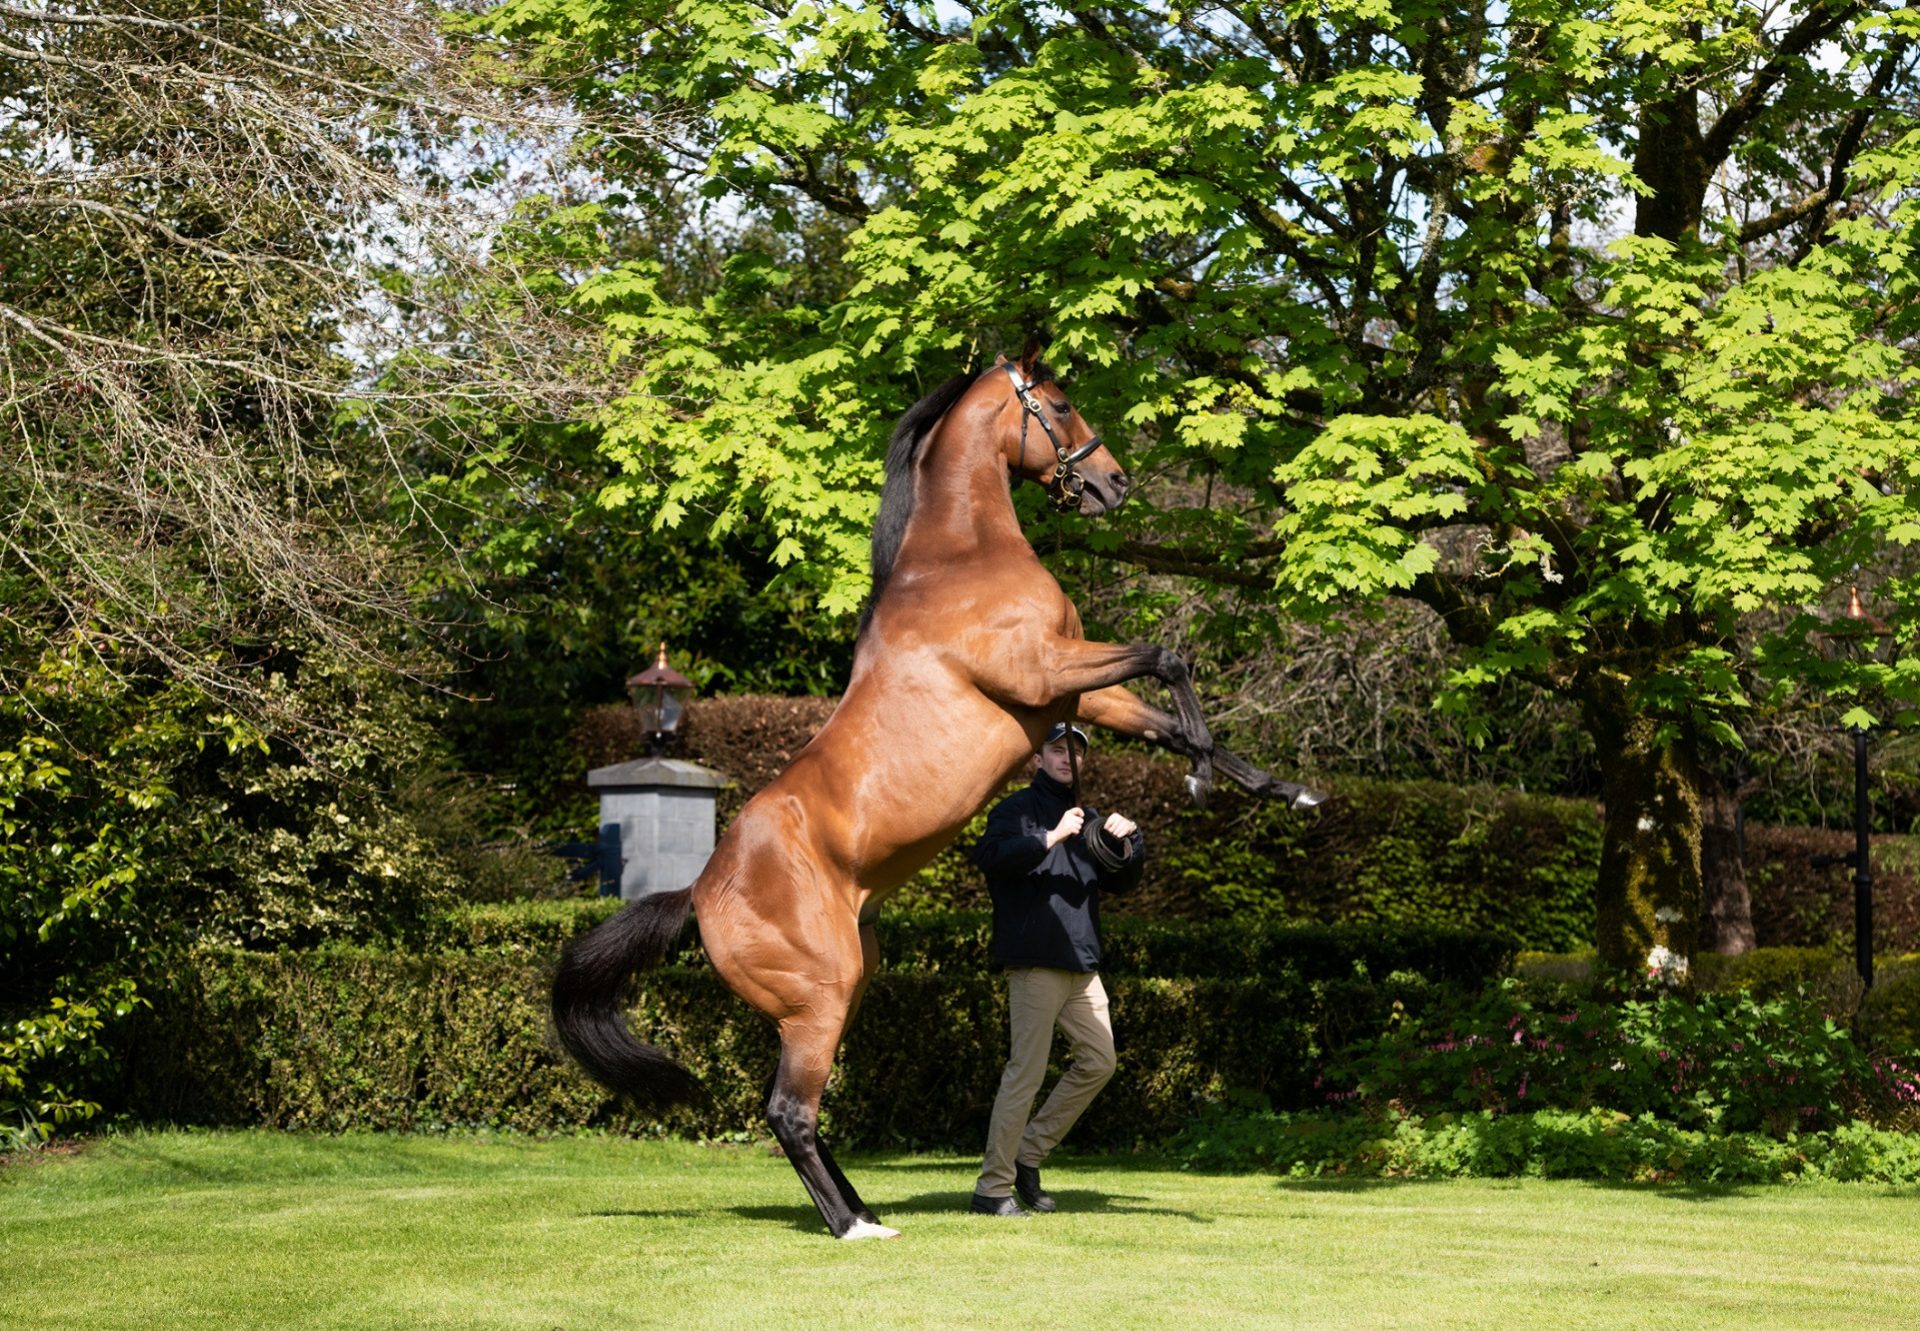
(243, 1230)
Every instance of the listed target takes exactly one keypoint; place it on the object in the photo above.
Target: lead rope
(1059, 544)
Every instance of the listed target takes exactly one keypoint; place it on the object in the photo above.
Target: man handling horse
(1047, 859)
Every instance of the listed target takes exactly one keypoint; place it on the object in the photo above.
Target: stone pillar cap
(656, 772)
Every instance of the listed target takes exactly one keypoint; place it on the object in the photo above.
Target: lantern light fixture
(660, 696)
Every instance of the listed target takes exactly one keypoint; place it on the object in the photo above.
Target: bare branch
(253, 277)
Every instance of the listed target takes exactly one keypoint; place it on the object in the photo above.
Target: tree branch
(1814, 27)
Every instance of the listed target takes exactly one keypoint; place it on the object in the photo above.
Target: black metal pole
(1862, 872)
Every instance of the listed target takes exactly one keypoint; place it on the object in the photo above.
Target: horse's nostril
(1122, 480)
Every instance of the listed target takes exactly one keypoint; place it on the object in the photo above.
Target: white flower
(1669, 915)
(1664, 965)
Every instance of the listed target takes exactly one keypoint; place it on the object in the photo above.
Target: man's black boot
(1026, 1182)
(1005, 1207)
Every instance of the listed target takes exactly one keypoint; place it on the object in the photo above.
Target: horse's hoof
(867, 1229)
(1197, 791)
(1306, 799)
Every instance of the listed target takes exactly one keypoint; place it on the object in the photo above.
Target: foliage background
(376, 422)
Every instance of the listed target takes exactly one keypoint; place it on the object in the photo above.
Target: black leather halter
(1064, 490)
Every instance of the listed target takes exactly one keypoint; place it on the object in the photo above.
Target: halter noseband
(1065, 488)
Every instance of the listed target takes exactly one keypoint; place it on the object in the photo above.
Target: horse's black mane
(896, 493)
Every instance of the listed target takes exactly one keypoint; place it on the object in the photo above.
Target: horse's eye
(1064, 408)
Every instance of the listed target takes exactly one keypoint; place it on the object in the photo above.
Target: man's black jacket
(1046, 903)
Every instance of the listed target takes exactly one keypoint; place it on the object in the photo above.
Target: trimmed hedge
(345, 1037)
(1383, 852)
(1402, 853)
(351, 1039)
(956, 943)
(1797, 904)
(1890, 1013)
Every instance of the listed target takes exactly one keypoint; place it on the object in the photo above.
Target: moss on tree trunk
(1649, 894)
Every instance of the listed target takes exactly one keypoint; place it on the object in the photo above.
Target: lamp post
(1860, 627)
(656, 813)
(659, 695)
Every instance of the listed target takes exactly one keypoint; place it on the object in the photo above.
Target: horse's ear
(1030, 358)
(999, 359)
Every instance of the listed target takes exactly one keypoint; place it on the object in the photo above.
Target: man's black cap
(1058, 732)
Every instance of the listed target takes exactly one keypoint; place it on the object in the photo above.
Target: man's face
(1055, 761)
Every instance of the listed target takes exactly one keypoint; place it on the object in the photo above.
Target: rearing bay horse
(969, 653)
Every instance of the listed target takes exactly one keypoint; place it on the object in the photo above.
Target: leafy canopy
(1590, 328)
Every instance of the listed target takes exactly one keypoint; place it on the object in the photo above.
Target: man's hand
(1070, 824)
(1120, 828)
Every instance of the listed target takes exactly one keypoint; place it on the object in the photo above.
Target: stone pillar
(656, 822)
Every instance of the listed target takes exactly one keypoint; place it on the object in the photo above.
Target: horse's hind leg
(807, 1045)
(869, 962)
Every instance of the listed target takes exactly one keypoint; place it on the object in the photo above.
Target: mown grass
(239, 1230)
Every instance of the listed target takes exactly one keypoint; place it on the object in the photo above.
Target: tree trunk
(1727, 925)
(1668, 159)
(1649, 893)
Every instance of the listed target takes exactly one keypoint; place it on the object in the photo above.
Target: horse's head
(1063, 454)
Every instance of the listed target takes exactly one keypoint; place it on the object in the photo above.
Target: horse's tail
(587, 1008)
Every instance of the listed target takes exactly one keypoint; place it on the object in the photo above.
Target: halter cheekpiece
(1065, 488)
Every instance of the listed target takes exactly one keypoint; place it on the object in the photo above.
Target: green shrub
(1890, 1012)
(1547, 1143)
(1764, 972)
(1418, 853)
(1383, 852)
(79, 786)
(140, 816)
(1720, 1062)
(539, 928)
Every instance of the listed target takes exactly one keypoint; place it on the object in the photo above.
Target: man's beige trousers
(1037, 999)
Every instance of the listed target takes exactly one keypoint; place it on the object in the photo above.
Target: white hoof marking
(866, 1229)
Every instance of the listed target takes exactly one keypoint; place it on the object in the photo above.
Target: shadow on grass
(1072, 1201)
(1061, 1162)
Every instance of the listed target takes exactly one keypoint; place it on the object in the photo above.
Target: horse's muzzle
(1102, 494)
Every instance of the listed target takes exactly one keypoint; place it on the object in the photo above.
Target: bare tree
(256, 262)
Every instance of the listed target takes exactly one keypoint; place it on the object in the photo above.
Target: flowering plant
(1725, 1062)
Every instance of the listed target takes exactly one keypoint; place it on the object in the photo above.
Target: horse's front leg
(1124, 712)
(1075, 666)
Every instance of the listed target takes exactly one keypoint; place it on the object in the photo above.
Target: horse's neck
(961, 502)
